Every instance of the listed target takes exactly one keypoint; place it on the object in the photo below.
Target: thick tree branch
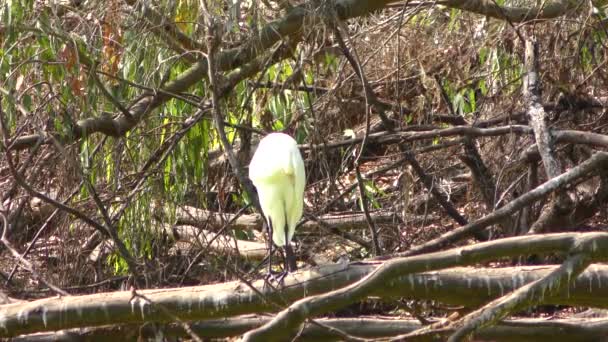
(536, 113)
(525, 297)
(560, 205)
(546, 10)
(563, 136)
(286, 323)
(186, 215)
(531, 329)
(468, 287)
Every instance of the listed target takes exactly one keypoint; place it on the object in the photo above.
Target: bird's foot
(276, 277)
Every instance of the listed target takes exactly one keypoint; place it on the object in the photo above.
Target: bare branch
(285, 323)
(597, 161)
(527, 296)
(391, 279)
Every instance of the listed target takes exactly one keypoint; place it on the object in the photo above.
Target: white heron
(277, 171)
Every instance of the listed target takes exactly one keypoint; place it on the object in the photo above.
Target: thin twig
(124, 252)
(213, 41)
(598, 161)
(48, 220)
(108, 95)
(24, 262)
(369, 97)
(204, 250)
(185, 325)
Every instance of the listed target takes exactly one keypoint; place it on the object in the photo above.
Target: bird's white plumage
(277, 171)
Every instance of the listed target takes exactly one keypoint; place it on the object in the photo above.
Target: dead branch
(468, 287)
(527, 296)
(187, 215)
(537, 329)
(546, 9)
(385, 137)
(227, 60)
(590, 166)
(187, 303)
(286, 323)
(272, 33)
(223, 245)
(560, 204)
(24, 262)
(109, 231)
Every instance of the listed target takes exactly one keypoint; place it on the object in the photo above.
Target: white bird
(277, 171)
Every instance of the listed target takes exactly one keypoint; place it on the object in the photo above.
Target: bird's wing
(298, 180)
(300, 175)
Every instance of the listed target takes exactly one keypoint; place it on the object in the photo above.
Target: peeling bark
(560, 205)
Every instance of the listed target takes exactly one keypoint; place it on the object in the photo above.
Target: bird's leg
(269, 225)
(290, 259)
(278, 278)
(290, 265)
